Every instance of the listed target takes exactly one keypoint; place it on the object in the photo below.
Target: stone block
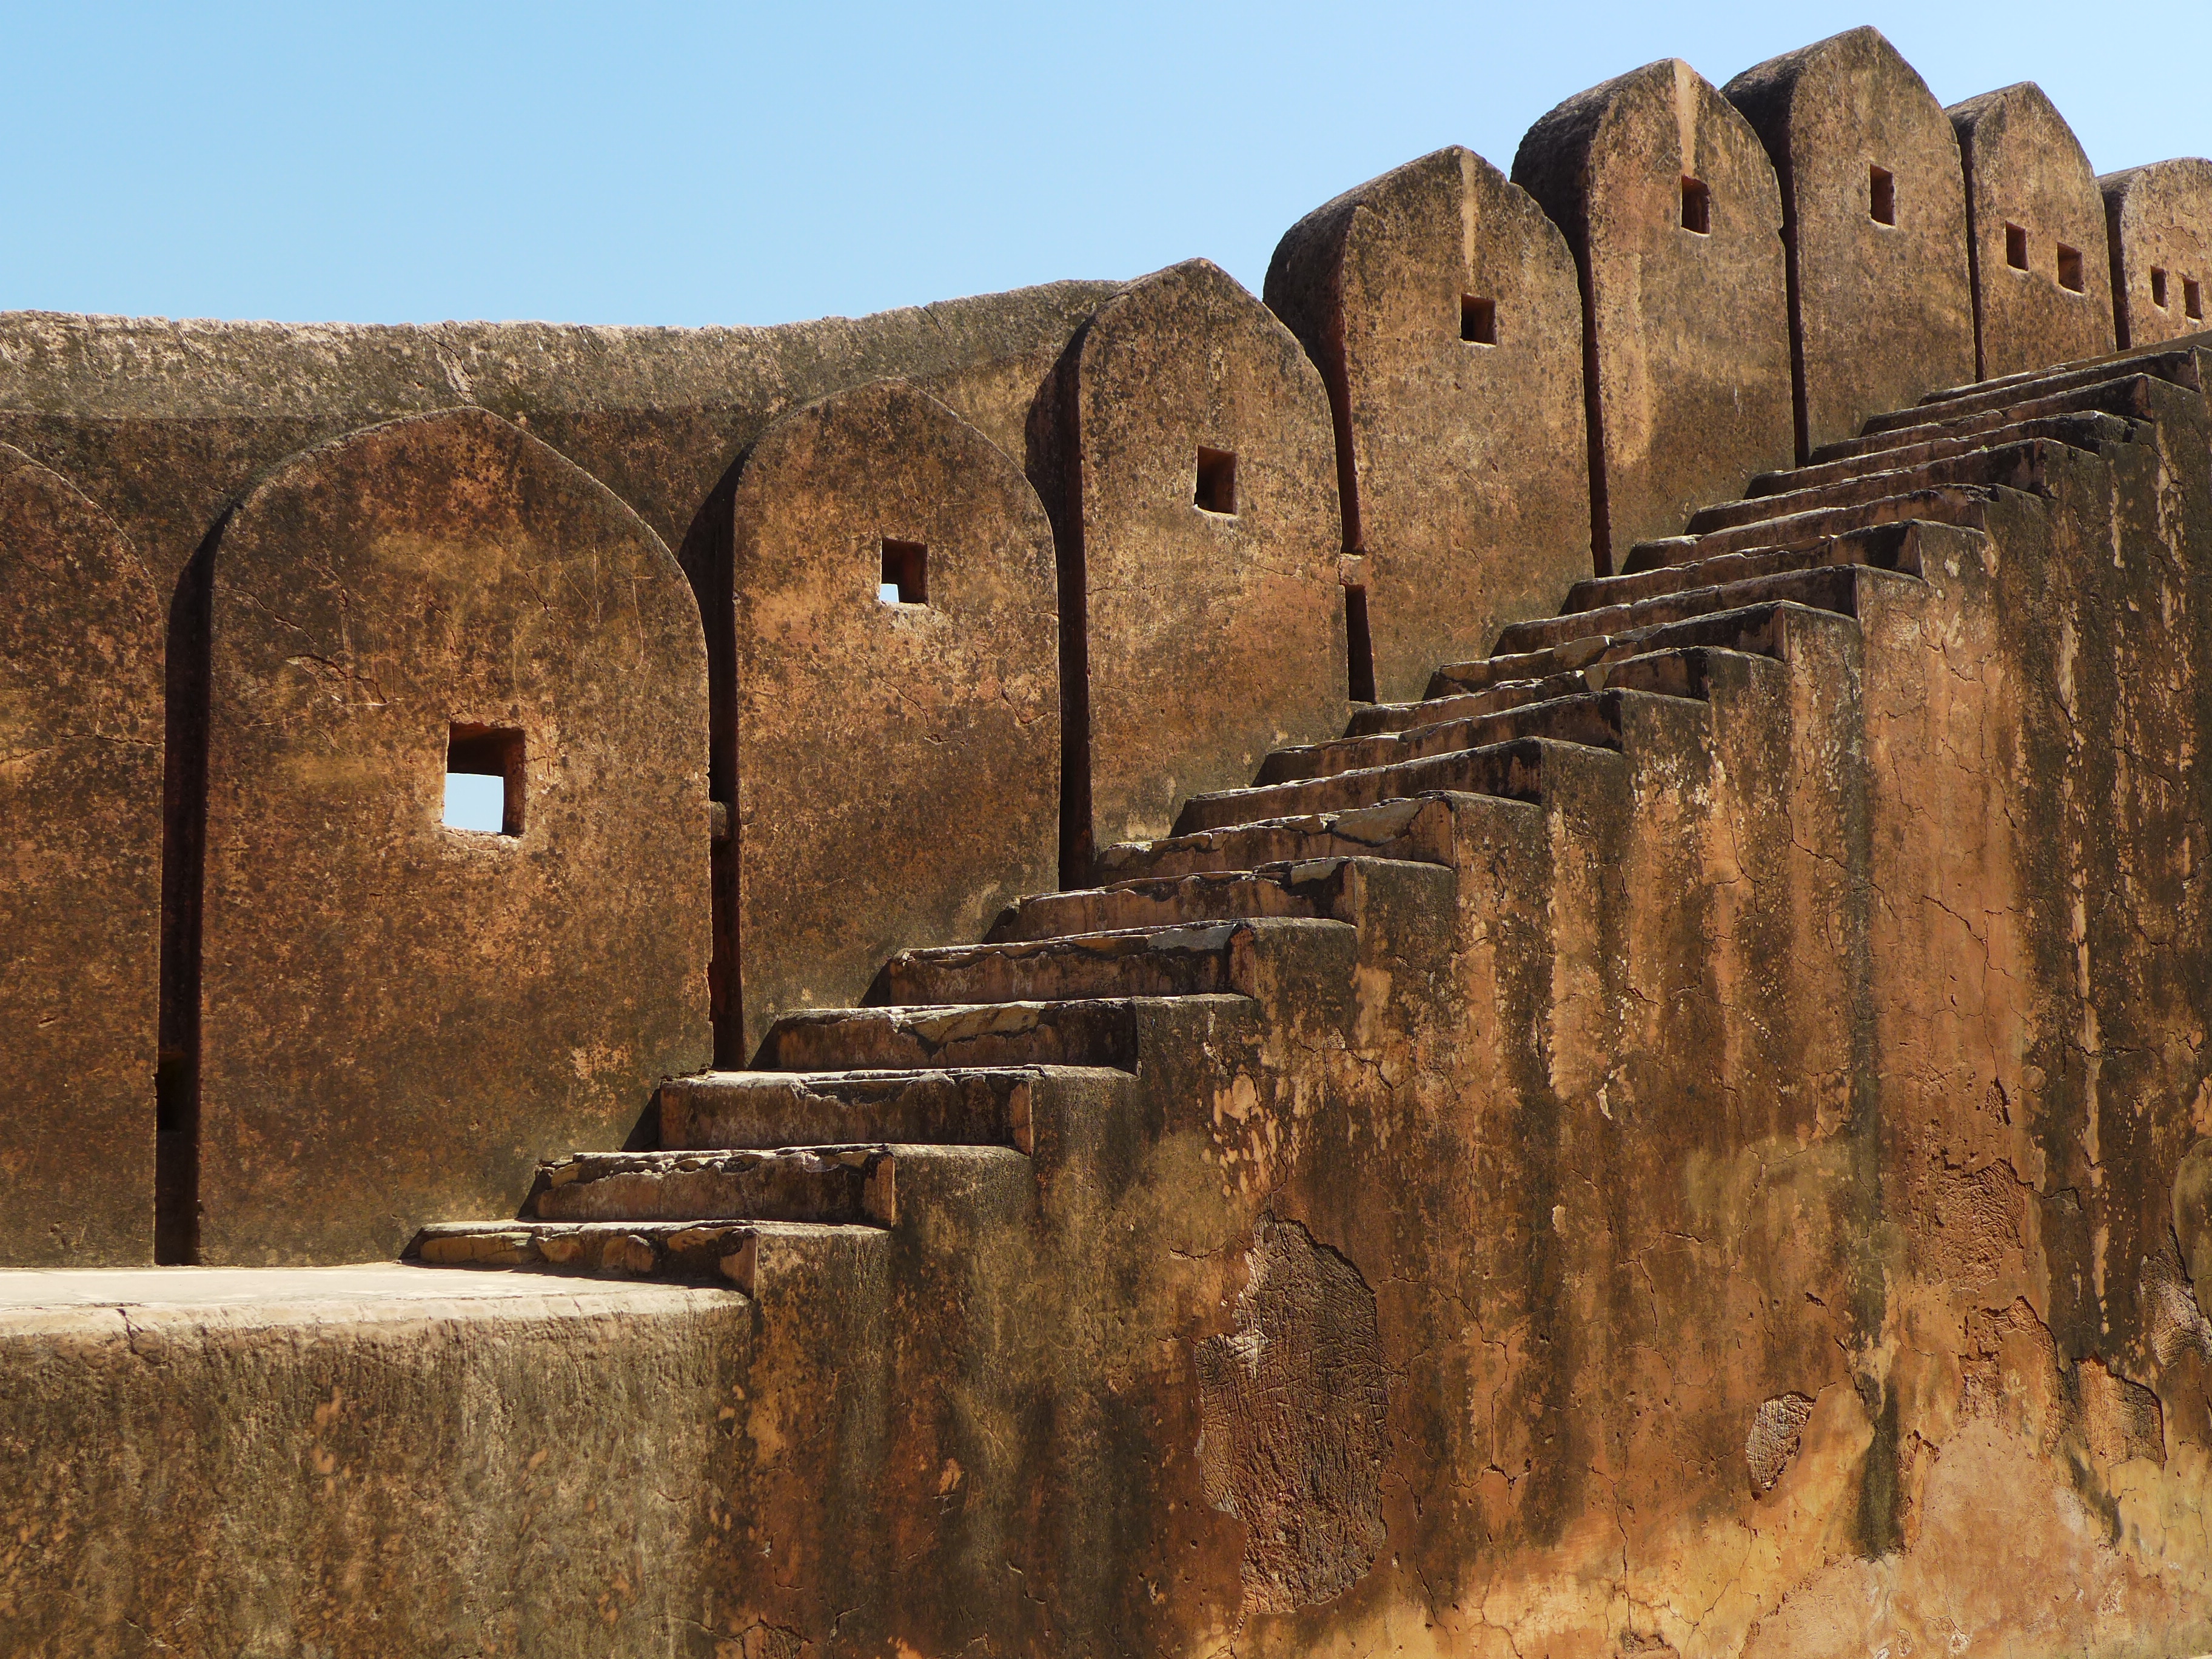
(1670, 205)
(398, 1017)
(80, 755)
(891, 716)
(1874, 223)
(1440, 306)
(2158, 221)
(1183, 449)
(2035, 235)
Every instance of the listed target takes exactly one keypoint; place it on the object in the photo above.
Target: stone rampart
(1618, 1067)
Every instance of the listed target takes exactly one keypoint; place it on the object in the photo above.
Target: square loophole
(2192, 298)
(906, 574)
(2016, 247)
(2070, 268)
(2157, 287)
(1696, 206)
(1882, 195)
(1217, 481)
(483, 778)
(1478, 320)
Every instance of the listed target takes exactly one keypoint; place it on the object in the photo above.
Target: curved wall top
(895, 703)
(2035, 227)
(1187, 455)
(2158, 222)
(399, 1018)
(1874, 221)
(1669, 202)
(1441, 306)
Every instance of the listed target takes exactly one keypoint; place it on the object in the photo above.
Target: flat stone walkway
(317, 1294)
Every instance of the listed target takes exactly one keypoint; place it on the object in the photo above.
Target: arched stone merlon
(898, 754)
(1182, 446)
(1874, 215)
(2158, 221)
(1441, 308)
(80, 755)
(1686, 330)
(398, 1018)
(2035, 235)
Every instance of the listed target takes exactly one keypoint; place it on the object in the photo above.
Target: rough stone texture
(1194, 641)
(81, 754)
(164, 423)
(2158, 221)
(387, 1460)
(2030, 192)
(897, 765)
(1881, 307)
(1294, 1403)
(397, 1017)
(1461, 464)
(1686, 339)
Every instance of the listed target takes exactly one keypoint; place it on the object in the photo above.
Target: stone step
(1100, 1032)
(1514, 770)
(1964, 505)
(1416, 832)
(1313, 889)
(2088, 432)
(742, 1253)
(1756, 629)
(989, 1107)
(1375, 717)
(1213, 959)
(1882, 547)
(2178, 366)
(2128, 398)
(1824, 587)
(1571, 718)
(2011, 466)
(824, 1184)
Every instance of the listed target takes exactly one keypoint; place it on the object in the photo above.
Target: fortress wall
(81, 747)
(1440, 306)
(2035, 226)
(1184, 449)
(1670, 204)
(397, 1017)
(2158, 219)
(1874, 222)
(897, 763)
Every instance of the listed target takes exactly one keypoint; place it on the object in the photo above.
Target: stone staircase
(857, 1120)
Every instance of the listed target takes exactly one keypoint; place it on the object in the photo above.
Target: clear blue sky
(756, 164)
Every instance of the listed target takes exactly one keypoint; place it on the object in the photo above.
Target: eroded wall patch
(1293, 1403)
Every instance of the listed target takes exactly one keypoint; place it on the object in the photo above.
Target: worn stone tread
(1102, 1032)
(2127, 398)
(1581, 717)
(1202, 958)
(1962, 505)
(738, 1252)
(821, 1184)
(1759, 628)
(979, 1106)
(1881, 547)
(2006, 466)
(2168, 361)
(1375, 717)
(1412, 830)
(1823, 587)
(2088, 431)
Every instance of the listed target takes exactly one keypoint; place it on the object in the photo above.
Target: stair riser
(1573, 720)
(2179, 367)
(2086, 432)
(1199, 960)
(776, 1190)
(1512, 770)
(1378, 717)
(1413, 830)
(1827, 588)
(750, 1110)
(2128, 399)
(1069, 1034)
(1954, 504)
(2015, 466)
(1885, 547)
(1156, 904)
